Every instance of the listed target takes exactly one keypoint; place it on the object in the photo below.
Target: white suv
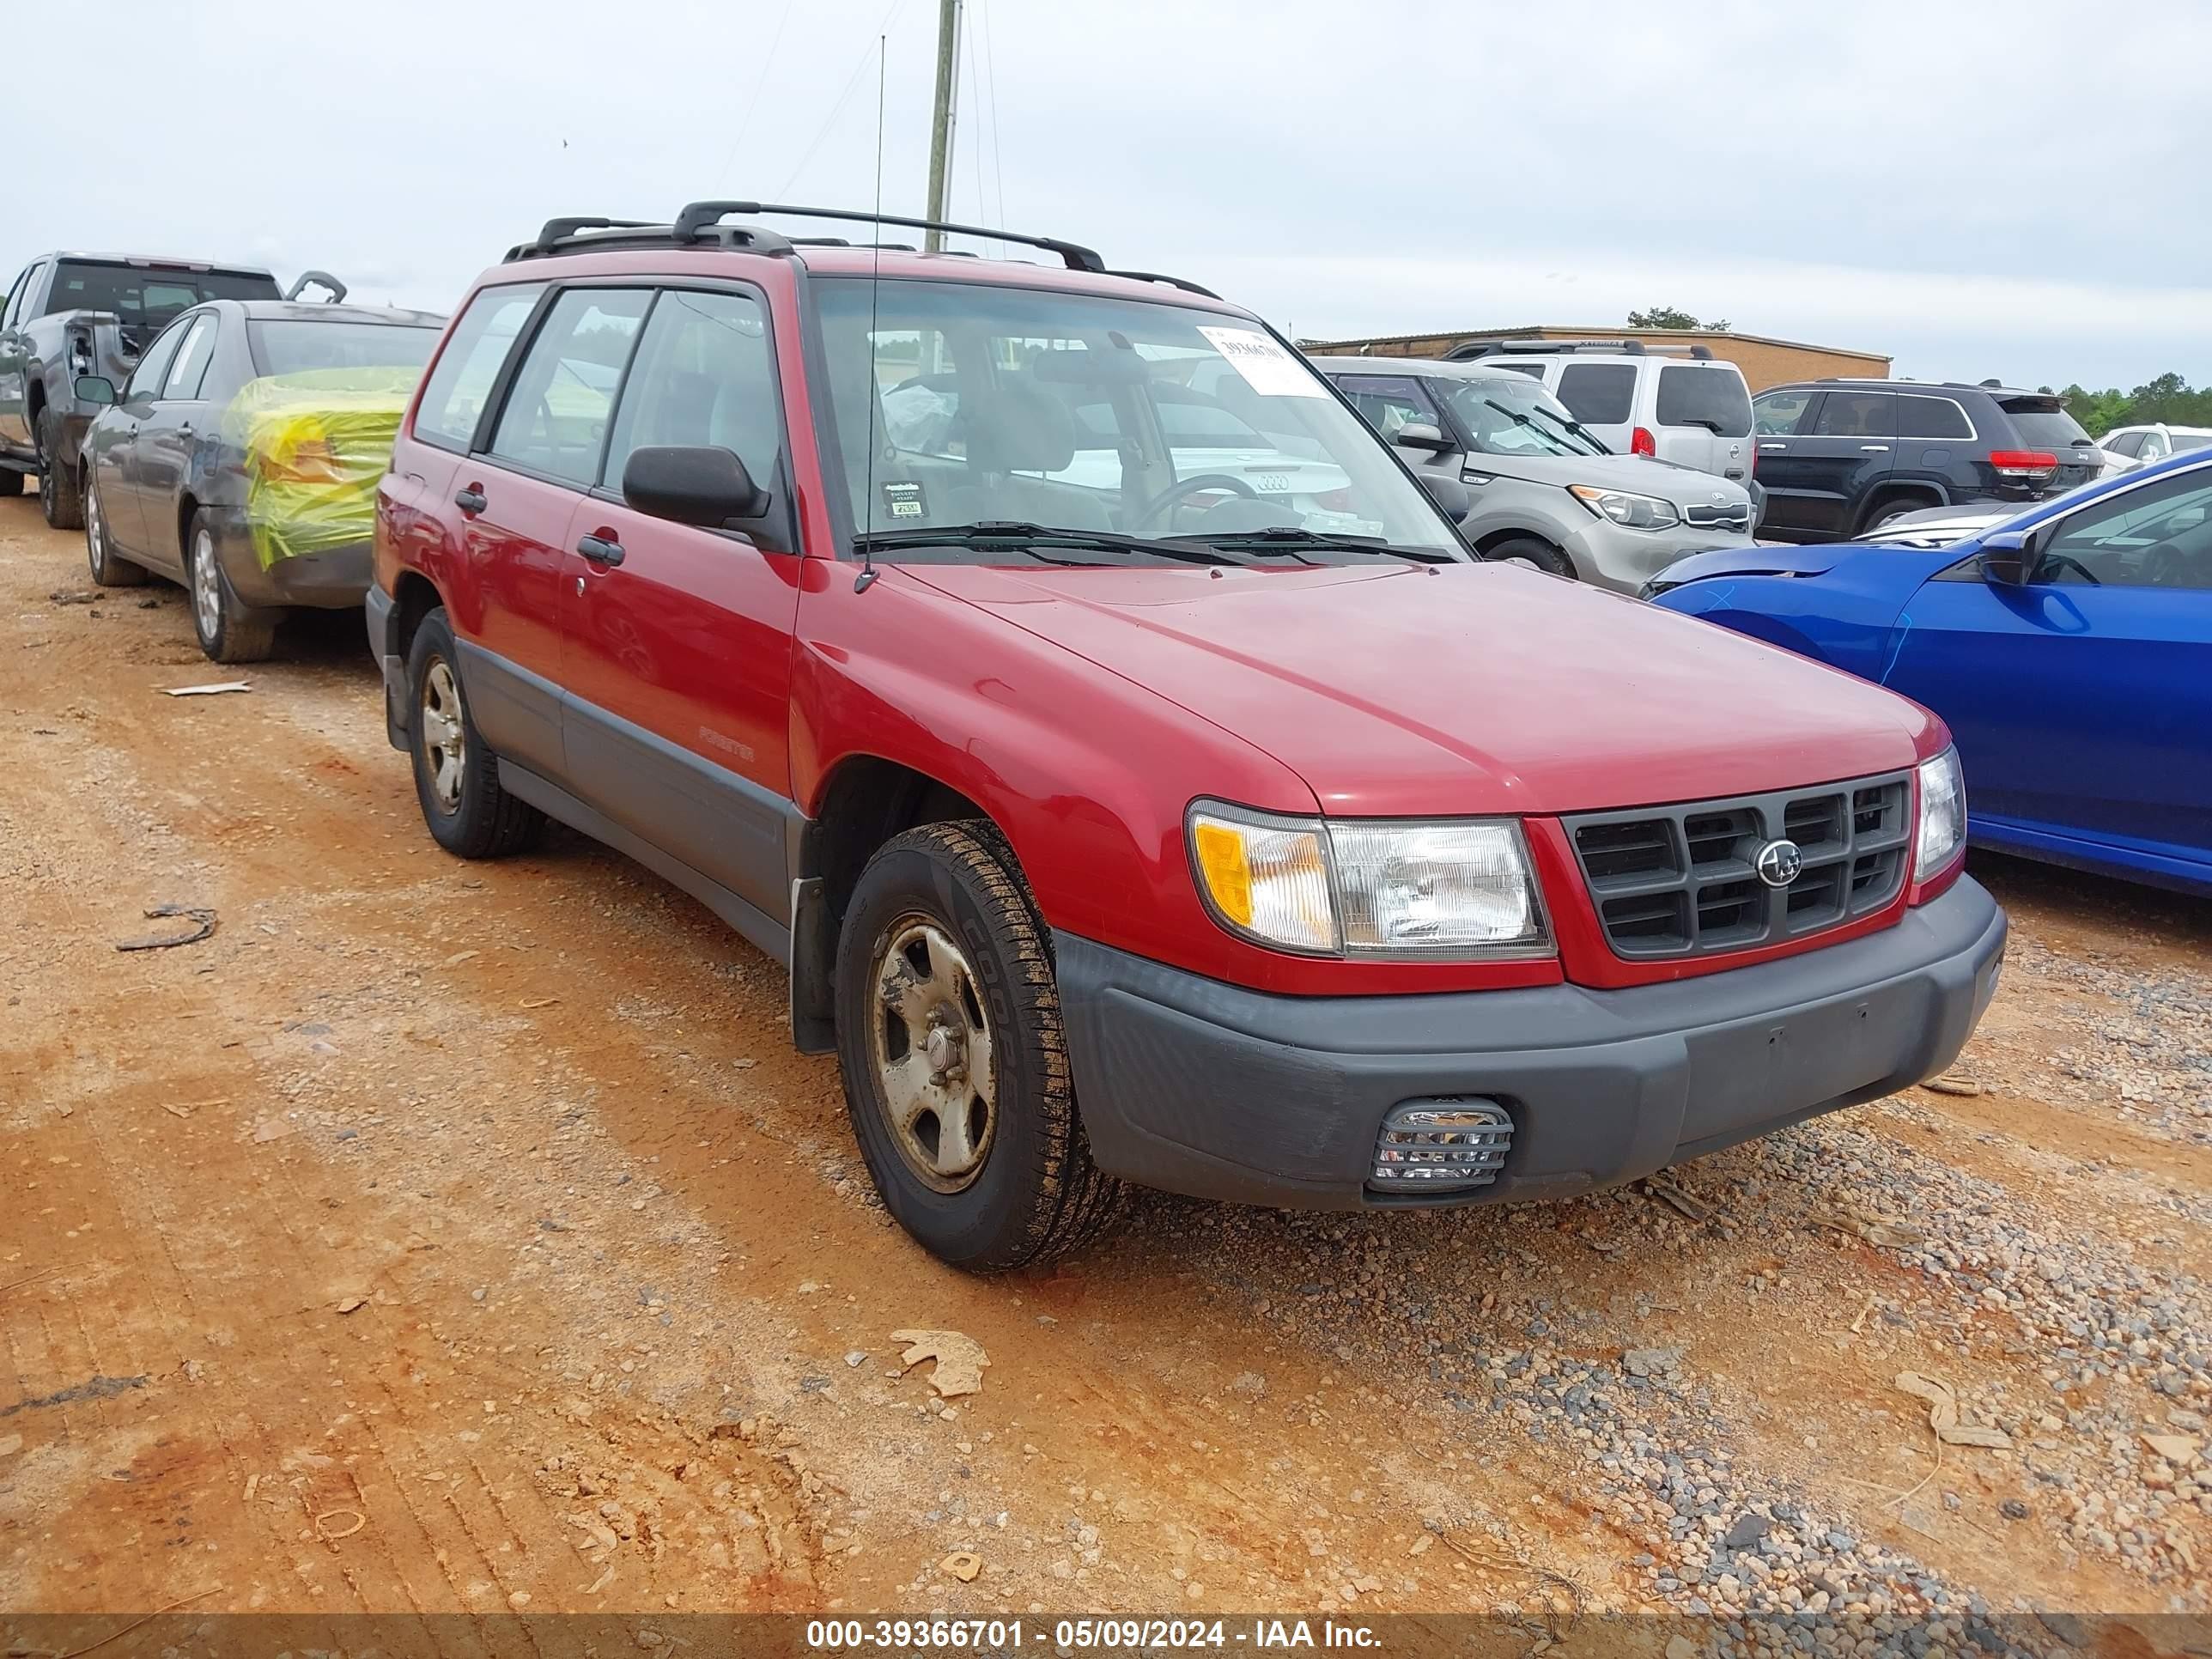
(1679, 403)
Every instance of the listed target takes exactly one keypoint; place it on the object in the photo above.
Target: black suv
(1839, 458)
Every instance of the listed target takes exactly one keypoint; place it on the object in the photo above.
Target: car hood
(1401, 690)
(1683, 486)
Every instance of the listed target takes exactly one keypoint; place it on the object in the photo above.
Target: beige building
(1764, 362)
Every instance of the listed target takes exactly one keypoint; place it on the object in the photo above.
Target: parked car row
(199, 426)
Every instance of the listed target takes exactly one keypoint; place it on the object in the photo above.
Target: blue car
(2069, 649)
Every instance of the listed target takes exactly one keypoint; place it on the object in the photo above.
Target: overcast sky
(2016, 190)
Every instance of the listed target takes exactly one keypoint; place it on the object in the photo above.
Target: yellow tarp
(315, 445)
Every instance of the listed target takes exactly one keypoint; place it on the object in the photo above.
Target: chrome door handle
(1773, 449)
(185, 430)
(1874, 449)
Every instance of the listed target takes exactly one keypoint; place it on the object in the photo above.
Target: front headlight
(1943, 813)
(1457, 887)
(1627, 509)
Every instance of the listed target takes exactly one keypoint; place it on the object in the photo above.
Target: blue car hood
(1780, 559)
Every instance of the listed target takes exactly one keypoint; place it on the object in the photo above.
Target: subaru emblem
(1778, 863)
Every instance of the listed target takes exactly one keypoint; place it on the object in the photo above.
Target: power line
(759, 86)
(990, 64)
(838, 108)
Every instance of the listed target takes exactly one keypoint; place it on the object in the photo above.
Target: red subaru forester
(1138, 774)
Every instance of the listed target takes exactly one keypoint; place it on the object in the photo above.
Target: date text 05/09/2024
(1002, 1635)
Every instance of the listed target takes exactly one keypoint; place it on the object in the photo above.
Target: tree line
(2168, 400)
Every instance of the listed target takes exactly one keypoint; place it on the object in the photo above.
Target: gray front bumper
(1195, 1086)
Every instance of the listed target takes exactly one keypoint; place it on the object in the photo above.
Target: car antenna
(866, 578)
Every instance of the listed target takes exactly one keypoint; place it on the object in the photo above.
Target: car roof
(903, 264)
(157, 261)
(309, 311)
(1484, 368)
(1870, 383)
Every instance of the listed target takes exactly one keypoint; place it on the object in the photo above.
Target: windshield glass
(287, 346)
(1014, 405)
(145, 297)
(1512, 414)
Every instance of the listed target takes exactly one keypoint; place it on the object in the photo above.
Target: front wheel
(954, 1059)
(457, 782)
(1536, 554)
(229, 629)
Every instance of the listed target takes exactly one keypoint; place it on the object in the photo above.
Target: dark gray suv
(1839, 458)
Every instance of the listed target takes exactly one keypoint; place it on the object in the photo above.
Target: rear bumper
(1194, 1086)
(333, 579)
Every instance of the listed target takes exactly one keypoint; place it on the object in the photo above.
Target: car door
(115, 461)
(517, 496)
(1777, 418)
(169, 431)
(2082, 699)
(677, 641)
(15, 358)
(1836, 458)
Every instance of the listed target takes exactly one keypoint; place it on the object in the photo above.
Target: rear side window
(2128, 443)
(2044, 421)
(1778, 412)
(556, 413)
(1534, 371)
(1931, 417)
(1857, 415)
(1706, 395)
(703, 375)
(470, 362)
(1599, 394)
(190, 367)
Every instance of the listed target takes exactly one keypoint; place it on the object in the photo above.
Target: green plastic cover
(315, 445)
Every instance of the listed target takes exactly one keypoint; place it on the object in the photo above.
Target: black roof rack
(1471, 350)
(1172, 282)
(700, 223)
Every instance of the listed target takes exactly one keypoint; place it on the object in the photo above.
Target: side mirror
(691, 483)
(1421, 435)
(1448, 492)
(2008, 556)
(94, 389)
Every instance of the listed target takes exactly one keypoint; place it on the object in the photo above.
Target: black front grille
(1673, 881)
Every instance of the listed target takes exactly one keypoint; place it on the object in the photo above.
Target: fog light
(1442, 1146)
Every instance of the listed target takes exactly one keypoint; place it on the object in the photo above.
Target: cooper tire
(109, 569)
(229, 629)
(456, 774)
(1530, 550)
(943, 933)
(57, 482)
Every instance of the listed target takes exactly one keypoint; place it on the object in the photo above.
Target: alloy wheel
(931, 1045)
(207, 587)
(445, 738)
(94, 529)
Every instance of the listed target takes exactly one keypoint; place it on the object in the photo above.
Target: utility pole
(940, 126)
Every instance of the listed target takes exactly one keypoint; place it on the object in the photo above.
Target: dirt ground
(450, 1237)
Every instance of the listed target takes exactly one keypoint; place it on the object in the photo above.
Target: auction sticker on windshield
(1267, 367)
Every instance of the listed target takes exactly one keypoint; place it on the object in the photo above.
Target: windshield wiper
(1288, 537)
(1520, 419)
(1023, 536)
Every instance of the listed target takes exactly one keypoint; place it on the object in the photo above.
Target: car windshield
(957, 404)
(1512, 415)
(293, 346)
(146, 297)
